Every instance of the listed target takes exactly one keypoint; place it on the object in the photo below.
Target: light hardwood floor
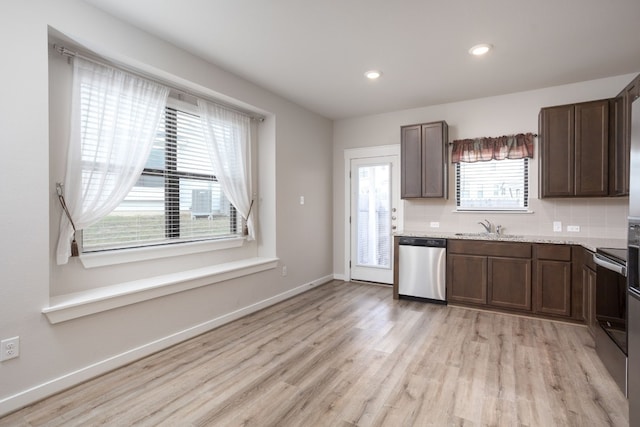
(347, 354)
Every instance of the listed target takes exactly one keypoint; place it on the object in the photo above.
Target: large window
(177, 198)
(493, 185)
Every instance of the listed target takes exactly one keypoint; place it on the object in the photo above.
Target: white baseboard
(41, 391)
(340, 277)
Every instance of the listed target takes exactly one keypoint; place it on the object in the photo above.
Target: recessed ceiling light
(373, 74)
(480, 49)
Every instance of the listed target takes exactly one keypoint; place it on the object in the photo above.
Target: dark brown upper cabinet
(619, 148)
(424, 154)
(574, 150)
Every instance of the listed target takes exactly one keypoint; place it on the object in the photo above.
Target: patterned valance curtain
(517, 146)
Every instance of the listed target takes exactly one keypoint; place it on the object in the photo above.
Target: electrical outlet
(557, 226)
(284, 270)
(573, 228)
(9, 348)
(434, 224)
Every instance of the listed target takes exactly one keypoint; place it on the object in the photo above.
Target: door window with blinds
(177, 198)
(493, 185)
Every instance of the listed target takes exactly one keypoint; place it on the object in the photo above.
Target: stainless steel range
(611, 312)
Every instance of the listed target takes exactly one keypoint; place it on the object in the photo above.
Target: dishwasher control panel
(422, 241)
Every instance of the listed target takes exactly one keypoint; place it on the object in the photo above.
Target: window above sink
(492, 173)
(493, 185)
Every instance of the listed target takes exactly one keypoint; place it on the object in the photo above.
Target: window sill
(72, 306)
(122, 256)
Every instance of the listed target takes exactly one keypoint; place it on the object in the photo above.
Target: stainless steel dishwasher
(421, 270)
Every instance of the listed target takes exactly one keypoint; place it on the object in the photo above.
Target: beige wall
(295, 159)
(495, 116)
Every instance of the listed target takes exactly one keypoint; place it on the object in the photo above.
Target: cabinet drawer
(553, 252)
(477, 247)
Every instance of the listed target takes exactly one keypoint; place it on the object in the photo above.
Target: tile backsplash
(596, 217)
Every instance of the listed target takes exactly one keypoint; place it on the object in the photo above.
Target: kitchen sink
(485, 235)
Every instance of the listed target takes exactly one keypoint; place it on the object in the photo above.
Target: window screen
(493, 185)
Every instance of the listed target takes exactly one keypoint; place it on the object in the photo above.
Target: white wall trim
(78, 304)
(362, 153)
(56, 385)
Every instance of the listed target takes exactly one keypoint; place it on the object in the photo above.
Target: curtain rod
(535, 135)
(72, 54)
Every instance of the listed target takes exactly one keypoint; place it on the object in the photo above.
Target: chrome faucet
(488, 226)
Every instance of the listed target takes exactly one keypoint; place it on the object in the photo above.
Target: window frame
(525, 196)
(171, 211)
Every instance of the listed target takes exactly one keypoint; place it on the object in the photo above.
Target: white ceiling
(315, 53)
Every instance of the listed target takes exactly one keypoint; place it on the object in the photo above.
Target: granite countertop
(590, 243)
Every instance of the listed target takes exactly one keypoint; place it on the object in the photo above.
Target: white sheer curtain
(114, 119)
(228, 134)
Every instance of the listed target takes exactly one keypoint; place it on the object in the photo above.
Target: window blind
(177, 198)
(493, 185)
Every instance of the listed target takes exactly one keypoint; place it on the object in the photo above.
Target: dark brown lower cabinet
(539, 278)
(496, 274)
(552, 279)
(509, 283)
(467, 278)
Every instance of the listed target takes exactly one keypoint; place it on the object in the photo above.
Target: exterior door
(375, 190)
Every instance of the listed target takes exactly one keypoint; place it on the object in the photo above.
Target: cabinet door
(434, 160)
(553, 288)
(589, 298)
(619, 146)
(411, 158)
(592, 148)
(509, 283)
(557, 151)
(467, 279)
(622, 138)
